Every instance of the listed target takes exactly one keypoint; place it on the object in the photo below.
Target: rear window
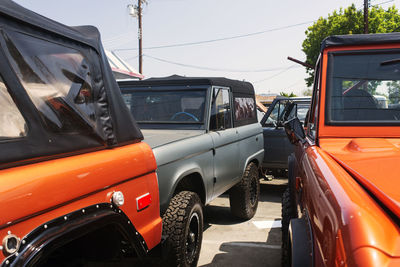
(12, 124)
(58, 80)
(363, 88)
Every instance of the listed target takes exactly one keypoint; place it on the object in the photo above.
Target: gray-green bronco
(207, 141)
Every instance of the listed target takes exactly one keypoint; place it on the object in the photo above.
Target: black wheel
(288, 212)
(243, 197)
(183, 227)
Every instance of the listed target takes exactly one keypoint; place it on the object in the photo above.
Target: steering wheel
(184, 113)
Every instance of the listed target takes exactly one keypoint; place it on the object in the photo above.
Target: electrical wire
(211, 69)
(277, 74)
(219, 39)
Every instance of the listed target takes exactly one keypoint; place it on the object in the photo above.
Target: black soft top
(237, 87)
(84, 34)
(360, 39)
(115, 123)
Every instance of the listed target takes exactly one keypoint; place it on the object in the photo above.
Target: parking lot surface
(228, 241)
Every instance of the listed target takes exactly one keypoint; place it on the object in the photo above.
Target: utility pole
(136, 11)
(139, 10)
(366, 5)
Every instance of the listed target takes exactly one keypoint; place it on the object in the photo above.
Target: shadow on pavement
(270, 192)
(219, 215)
(247, 254)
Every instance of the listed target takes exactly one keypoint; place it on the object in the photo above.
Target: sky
(271, 31)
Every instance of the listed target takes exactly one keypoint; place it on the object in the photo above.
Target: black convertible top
(360, 39)
(114, 124)
(85, 34)
(238, 87)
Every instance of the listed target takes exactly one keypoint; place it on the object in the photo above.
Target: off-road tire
(183, 216)
(288, 212)
(244, 196)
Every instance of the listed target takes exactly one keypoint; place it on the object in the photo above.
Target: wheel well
(104, 245)
(255, 161)
(96, 233)
(192, 182)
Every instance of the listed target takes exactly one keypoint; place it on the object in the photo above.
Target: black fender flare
(301, 242)
(61, 230)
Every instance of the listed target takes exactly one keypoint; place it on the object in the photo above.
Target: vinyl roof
(237, 86)
(360, 39)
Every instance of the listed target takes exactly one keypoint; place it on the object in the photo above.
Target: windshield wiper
(389, 62)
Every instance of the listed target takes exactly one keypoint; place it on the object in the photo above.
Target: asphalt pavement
(230, 242)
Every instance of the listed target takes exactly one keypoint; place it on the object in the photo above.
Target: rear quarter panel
(34, 194)
(251, 145)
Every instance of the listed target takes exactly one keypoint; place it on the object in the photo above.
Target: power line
(211, 69)
(277, 74)
(219, 39)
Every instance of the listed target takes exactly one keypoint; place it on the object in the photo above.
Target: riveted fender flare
(301, 242)
(55, 233)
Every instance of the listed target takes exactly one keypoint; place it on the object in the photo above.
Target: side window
(313, 114)
(276, 113)
(58, 81)
(12, 124)
(221, 115)
(245, 109)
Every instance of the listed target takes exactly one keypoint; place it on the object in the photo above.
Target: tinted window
(166, 106)
(58, 81)
(244, 108)
(12, 124)
(221, 116)
(364, 88)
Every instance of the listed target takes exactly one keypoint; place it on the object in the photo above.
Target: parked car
(78, 187)
(206, 140)
(277, 147)
(341, 207)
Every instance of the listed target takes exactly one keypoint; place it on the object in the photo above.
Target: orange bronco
(77, 185)
(342, 205)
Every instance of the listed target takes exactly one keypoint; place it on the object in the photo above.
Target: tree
(394, 92)
(287, 95)
(307, 92)
(346, 21)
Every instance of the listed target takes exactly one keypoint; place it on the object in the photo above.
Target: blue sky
(260, 59)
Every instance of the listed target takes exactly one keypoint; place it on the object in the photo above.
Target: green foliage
(307, 92)
(287, 95)
(394, 92)
(346, 21)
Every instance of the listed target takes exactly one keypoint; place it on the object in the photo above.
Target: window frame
(312, 118)
(329, 71)
(213, 98)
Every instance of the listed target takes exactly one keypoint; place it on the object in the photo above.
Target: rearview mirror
(294, 130)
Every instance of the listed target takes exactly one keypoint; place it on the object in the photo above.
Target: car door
(225, 139)
(276, 144)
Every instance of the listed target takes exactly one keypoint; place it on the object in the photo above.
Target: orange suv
(77, 185)
(342, 205)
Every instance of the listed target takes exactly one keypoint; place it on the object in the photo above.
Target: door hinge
(215, 180)
(213, 151)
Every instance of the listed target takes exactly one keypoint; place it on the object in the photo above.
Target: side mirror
(295, 131)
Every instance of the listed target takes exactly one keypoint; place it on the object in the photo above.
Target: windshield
(363, 88)
(167, 107)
